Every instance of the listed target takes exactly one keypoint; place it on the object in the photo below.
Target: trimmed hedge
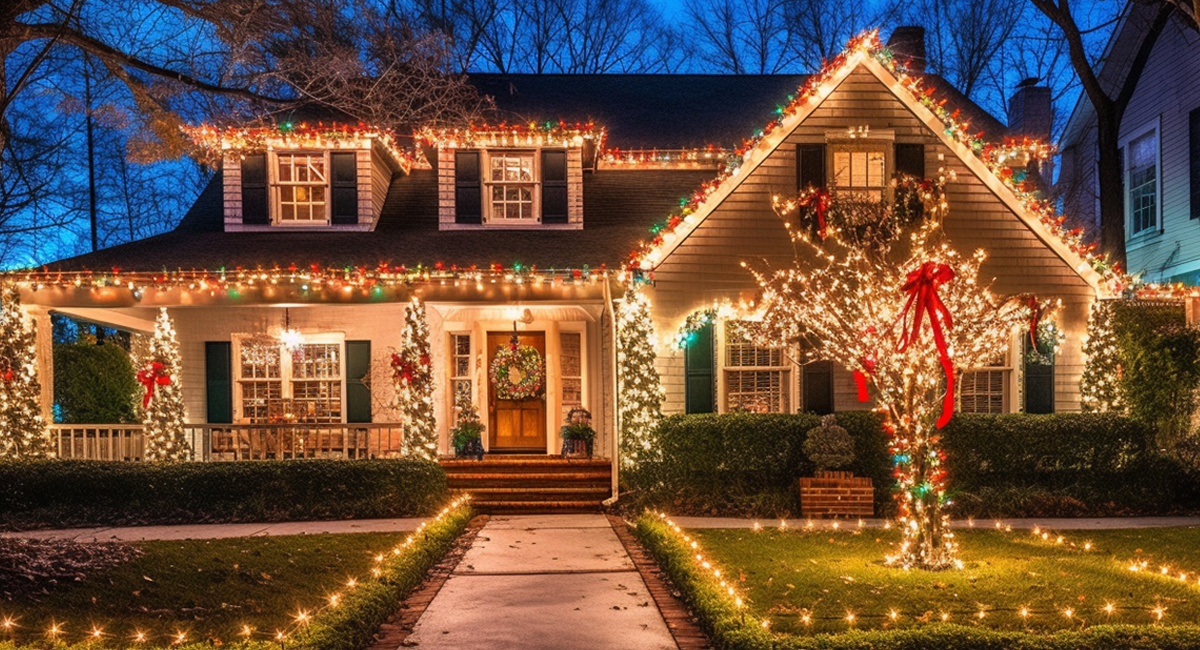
(998, 465)
(95, 384)
(749, 463)
(61, 493)
(730, 630)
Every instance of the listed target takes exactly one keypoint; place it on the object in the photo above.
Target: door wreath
(517, 372)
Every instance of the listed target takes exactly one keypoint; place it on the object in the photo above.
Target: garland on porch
(413, 375)
(517, 372)
(23, 432)
(640, 390)
(164, 414)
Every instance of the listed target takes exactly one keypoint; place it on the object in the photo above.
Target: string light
(546, 134)
(216, 142)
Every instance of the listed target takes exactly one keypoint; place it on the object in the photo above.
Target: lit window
(859, 172)
(277, 386)
(757, 379)
(302, 185)
(511, 187)
(1141, 169)
(460, 367)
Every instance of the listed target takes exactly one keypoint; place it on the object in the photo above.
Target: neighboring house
(331, 232)
(1160, 149)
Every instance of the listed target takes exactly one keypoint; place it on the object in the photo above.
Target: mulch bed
(29, 568)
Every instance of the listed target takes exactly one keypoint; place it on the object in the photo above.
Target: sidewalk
(544, 582)
(1084, 523)
(222, 531)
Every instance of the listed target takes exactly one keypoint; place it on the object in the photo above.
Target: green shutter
(468, 194)
(810, 166)
(818, 387)
(699, 364)
(218, 381)
(1039, 380)
(358, 394)
(343, 187)
(254, 189)
(554, 186)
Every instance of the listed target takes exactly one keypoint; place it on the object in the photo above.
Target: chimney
(1029, 115)
(907, 44)
(1029, 111)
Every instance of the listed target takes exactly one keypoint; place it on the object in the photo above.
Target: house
(1160, 148)
(288, 279)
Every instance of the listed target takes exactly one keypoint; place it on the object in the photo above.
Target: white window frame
(452, 376)
(1009, 377)
(486, 182)
(580, 328)
(277, 188)
(860, 192)
(286, 376)
(790, 383)
(1153, 128)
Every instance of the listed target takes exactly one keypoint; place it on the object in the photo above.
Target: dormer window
(512, 187)
(859, 171)
(301, 188)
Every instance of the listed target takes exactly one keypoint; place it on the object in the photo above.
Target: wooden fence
(236, 441)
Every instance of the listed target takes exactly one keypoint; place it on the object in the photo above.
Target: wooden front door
(516, 424)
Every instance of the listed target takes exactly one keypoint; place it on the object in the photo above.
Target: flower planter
(576, 449)
(837, 494)
(473, 449)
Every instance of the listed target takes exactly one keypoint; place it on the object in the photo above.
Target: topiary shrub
(94, 384)
(829, 446)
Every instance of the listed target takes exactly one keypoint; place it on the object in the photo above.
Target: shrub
(829, 446)
(94, 384)
(1160, 365)
(42, 494)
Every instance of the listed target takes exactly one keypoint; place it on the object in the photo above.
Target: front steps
(517, 484)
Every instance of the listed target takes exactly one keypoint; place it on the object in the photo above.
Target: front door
(516, 425)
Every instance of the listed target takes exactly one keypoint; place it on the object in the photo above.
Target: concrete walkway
(1083, 523)
(544, 582)
(222, 531)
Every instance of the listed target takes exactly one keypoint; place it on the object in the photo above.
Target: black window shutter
(468, 195)
(699, 363)
(810, 165)
(358, 393)
(254, 190)
(218, 381)
(818, 387)
(910, 159)
(554, 186)
(1039, 380)
(1194, 160)
(344, 187)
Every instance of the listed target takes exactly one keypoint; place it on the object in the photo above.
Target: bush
(1014, 465)
(60, 493)
(748, 463)
(94, 384)
(1160, 365)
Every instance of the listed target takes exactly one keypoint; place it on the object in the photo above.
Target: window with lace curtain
(757, 379)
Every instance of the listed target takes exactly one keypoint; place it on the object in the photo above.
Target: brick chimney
(907, 44)
(1029, 114)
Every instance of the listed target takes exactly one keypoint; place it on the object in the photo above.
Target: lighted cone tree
(412, 372)
(163, 413)
(640, 394)
(23, 432)
(878, 289)
(1100, 386)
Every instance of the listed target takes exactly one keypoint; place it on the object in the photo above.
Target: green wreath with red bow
(517, 372)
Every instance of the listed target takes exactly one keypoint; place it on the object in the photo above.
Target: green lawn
(787, 575)
(208, 589)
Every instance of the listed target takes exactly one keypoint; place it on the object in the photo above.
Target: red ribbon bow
(860, 378)
(921, 286)
(1035, 313)
(154, 374)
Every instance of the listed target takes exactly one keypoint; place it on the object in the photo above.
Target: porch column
(45, 358)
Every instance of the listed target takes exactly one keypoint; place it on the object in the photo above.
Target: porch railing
(236, 441)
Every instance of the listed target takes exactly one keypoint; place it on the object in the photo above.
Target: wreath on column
(517, 372)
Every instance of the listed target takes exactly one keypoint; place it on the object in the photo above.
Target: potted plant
(578, 436)
(468, 432)
(831, 492)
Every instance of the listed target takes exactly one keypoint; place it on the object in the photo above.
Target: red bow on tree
(921, 286)
(860, 378)
(154, 374)
(1035, 314)
(407, 371)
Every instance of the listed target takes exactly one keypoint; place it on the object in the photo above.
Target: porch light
(291, 339)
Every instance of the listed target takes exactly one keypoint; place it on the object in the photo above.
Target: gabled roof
(863, 52)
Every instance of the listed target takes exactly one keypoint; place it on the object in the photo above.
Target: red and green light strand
(216, 141)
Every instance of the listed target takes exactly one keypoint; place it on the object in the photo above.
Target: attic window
(859, 171)
(511, 188)
(301, 188)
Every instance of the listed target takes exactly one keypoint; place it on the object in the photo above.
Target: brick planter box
(834, 494)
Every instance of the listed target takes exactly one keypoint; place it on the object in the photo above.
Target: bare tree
(1109, 104)
(822, 27)
(966, 37)
(742, 36)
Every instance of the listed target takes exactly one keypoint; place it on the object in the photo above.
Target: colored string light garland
(217, 142)
(58, 631)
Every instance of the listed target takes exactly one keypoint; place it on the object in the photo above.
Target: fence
(236, 441)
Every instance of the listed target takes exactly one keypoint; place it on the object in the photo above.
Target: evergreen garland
(414, 385)
(23, 432)
(164, 413)
(640, 393)
(1100, 386)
